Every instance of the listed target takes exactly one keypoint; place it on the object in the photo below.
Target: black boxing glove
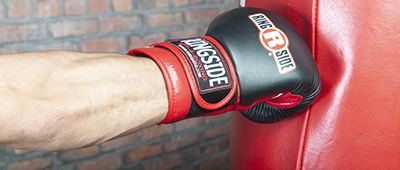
(251, 60)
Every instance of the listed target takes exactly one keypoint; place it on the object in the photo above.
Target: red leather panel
(355, 122)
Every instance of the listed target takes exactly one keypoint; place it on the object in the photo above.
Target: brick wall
(116, 26)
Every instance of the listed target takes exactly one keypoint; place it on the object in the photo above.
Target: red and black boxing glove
(251, 60)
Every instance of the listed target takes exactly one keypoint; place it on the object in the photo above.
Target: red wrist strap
(190, 59)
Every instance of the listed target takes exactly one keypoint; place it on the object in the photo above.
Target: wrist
(179, 95)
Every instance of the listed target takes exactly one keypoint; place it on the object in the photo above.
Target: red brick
(97, 6)
(187, 167)
(216, 1)
(66, 168)
(104, 163)
(143, 152)
(122, 5)
(164, 19)
(144, 4)
(113, 44)
(180, 3)
(220, 117)
(185, 33)
(155, 132)
(201, 15)
(217, 131)
(189, 123)
(1, 11)
(74, 7)
(120, 23)
(214, 163)
(35, 163)
(69, 46)
(46, 9)
(161, 3)
(19, 9)
(196, 2)
(167, 162)
(136, 41)
(205, 151)
(120, 142)
(224, 144)
(22, 32)
(73, 28)
(77, 154)
(231, 1)
(10, 51)
(182, 141)
(229, 8)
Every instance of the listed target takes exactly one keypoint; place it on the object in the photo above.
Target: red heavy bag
(355, 121)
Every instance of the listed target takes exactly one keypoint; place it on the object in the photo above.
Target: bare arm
(65, 100)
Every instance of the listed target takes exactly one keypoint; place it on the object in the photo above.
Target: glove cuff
(209, 70)
(199, 74)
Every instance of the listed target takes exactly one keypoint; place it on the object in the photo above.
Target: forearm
(67, 100)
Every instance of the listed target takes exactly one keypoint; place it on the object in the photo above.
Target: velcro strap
(208, 68)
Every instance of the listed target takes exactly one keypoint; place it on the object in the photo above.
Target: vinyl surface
(355, 121)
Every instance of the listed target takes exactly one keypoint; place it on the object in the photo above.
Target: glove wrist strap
(209, 70)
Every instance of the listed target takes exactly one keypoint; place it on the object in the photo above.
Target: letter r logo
(274, 39)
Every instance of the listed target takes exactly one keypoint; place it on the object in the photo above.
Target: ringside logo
(275, 41)
(209, 67)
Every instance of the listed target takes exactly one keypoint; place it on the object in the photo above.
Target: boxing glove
(251, 60)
